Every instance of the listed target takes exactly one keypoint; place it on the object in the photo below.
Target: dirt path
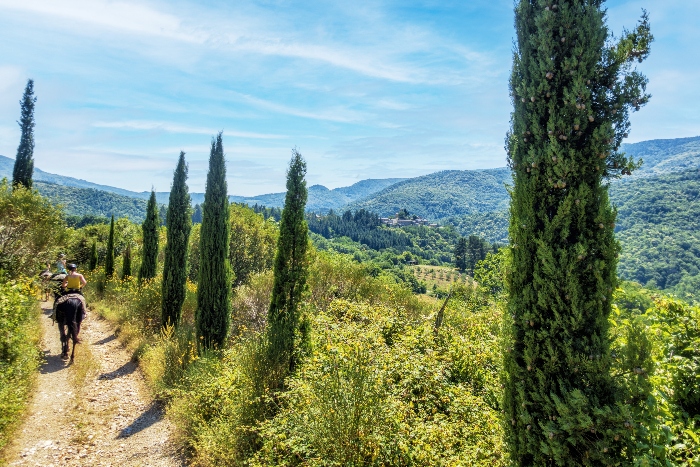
(108, 421)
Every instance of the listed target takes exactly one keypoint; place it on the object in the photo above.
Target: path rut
(110, 421)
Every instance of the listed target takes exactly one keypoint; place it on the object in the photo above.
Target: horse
(69, 311)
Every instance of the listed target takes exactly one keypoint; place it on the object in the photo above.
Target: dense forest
(658, 228)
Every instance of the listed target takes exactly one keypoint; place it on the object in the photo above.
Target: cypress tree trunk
(149, 262)
(93, 256)
(109, 261)
(178, 225)
(126, 265)
(24, 162)
(214, 284)
(571, 95)
(290, 270)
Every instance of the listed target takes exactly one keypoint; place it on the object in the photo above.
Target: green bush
(19, 355)
(656, 354)
(366, 399)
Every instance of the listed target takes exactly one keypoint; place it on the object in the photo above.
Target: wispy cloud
(337, 114)
(120, 16)
(145, 125)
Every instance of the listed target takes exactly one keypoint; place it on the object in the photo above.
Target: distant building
(396, 222)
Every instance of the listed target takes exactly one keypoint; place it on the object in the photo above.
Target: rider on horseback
(73, 281)
(70, 310)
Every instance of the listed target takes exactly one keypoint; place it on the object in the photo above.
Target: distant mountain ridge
(438, 196)
(320, 198)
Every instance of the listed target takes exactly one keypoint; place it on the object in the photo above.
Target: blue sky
(370, 89)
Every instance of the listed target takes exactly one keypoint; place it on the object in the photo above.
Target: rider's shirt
(73, 282)
(60, 268)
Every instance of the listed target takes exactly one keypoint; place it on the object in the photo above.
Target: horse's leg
(64, 340)
(74, 338)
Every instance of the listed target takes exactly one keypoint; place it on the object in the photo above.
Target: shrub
(19, 355)
(32, 229)
(366, 399)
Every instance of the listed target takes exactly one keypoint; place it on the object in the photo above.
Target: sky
(368, 89)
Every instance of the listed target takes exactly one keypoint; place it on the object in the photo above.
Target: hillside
(663, 156)
(658, 227)
(453, 193)
(89, 201)
(7, 164)
(442, 194)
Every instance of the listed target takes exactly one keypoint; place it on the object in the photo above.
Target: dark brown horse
(69, 311)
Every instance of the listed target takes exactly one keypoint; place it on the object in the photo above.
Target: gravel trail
(109, 420)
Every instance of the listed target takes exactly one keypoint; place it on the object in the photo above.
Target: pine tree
(126, 265)
(213, 317)
(290, 271)
(572, 91)
(24, 162)
(149, 262)
(92, 265)
(178, 224)
(109, 261)
(461, 254)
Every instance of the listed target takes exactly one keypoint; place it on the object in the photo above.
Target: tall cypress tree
(178, 225)
(149, 262)
(290, 270)
(126, 265)
(572, 91)
(214, 284)
(24, 162)
(93, 256)
(109, 261)
(461, 254)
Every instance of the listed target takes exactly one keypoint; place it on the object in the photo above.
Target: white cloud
(123, 16)
(336, 114)
(145, 125)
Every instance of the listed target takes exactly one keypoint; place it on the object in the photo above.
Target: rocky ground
(94, 412)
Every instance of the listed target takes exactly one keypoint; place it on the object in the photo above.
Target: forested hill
(82, 202)
(658, 225)
(442, 194)
(663, 156)
(475, 193)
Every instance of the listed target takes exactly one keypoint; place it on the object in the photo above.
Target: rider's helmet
(72, 267)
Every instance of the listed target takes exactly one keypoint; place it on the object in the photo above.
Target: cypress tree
(178, 224)
(93, 256)
(571, 91)
(109, 261)
(290, 270)
(213, 317)
(126, 265)
(149, 262)
(24, 162)
(461, 254)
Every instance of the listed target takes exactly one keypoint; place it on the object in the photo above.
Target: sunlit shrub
(19, 355)
(363, 399)
(251, 303)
